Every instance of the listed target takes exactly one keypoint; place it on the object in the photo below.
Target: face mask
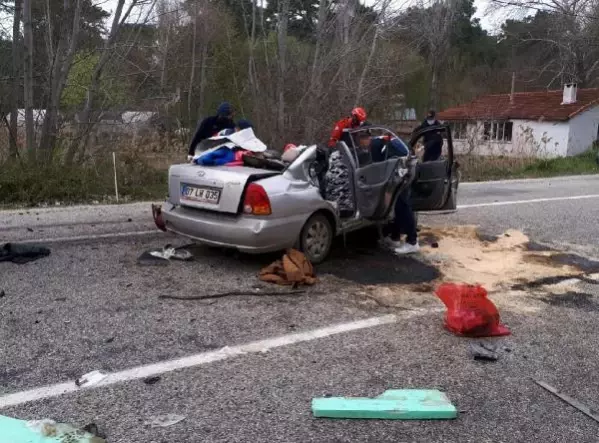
(430, 122)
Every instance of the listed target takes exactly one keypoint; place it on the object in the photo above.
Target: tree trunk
(64, 54)
(16, 86)
(282, 43)
(315, 76)
(28, 76)
(164, 59)
(204, 62)
(192, 74)
(80, 141)
(433, 97)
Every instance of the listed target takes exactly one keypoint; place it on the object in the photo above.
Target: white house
(542, 124)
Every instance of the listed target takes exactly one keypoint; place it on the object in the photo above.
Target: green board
(13, 430)
(393, 404)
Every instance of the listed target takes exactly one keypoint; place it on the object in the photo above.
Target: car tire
(316, 238)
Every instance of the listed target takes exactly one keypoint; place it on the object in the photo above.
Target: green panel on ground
(13, 430)
(394, 404)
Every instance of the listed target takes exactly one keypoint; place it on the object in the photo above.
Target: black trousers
(432, 151)
(404, 222)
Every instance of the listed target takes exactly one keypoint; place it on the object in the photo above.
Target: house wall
(583, 131)
(529, 139)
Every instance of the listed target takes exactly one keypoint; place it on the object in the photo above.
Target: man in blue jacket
(212, 125)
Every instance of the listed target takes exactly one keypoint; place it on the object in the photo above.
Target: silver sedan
(258, 210)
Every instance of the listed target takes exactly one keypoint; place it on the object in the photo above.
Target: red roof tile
(544, 105)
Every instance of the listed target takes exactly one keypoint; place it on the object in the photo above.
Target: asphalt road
(90, 306)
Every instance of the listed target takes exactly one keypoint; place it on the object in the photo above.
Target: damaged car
(264, 205)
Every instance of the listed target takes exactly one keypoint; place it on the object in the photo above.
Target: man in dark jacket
(433, 141)
(212, 125)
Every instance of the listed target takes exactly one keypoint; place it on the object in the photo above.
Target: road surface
(89, 306)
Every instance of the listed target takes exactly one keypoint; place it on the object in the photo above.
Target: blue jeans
(404, 222)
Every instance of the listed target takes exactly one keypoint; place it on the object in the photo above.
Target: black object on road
(22, 253)
(483, 351)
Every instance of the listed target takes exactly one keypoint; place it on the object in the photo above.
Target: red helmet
(359, 114)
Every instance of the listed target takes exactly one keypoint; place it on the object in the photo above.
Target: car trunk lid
(214, 188)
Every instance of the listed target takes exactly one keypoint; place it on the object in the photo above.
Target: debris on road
(496, 263)
(469, 311)
(230, 294)
(44, 431)
(571, 401)
(483, 351)
(22, 253)
(90, 379)
(164, 421)
(393, 404)
(293, 269)
(152, 380)
(92, 428)
(161, 257)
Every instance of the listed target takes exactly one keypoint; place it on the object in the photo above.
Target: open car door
(435, 184)
(379, 172)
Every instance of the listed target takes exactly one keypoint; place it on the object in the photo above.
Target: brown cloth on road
(294, 269)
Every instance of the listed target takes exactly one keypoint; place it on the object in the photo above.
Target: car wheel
(316, 238)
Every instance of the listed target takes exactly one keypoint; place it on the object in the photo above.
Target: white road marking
(139, 372)
(522, 202)
(90, 237)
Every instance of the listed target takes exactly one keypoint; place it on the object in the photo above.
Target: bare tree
(283, 20)
(80, 140)
(28, 76)
(62, 59)
(16, 86)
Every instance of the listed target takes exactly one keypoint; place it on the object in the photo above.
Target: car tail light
(256, 201)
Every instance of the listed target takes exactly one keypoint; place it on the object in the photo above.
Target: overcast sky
(490, 22)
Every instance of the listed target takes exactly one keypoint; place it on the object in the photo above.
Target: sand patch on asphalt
(462, 256)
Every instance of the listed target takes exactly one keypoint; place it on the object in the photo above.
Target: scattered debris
(162, 256)
(22, 253)
(571, 401)
(393, 404)
(147, 259)
(92, 428)
(44, 431)
(483, 351)
(152, 380)
(230, 294)
(89, 379)
(294, 269)
(164, 421)
(469, 311)
(169, 252)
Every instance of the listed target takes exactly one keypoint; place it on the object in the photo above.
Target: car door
(435, 183)
(376, 183)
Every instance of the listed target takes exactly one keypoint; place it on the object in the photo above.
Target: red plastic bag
(469, 311)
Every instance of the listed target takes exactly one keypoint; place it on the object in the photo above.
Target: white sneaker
(407, 248)
(386, 242)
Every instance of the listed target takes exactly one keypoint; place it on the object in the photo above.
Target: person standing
(212, 125)
(337, 180)
(433, 141)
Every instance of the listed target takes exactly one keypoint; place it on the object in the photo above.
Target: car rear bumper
(246, 233)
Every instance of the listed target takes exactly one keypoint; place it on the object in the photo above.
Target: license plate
(201, 195)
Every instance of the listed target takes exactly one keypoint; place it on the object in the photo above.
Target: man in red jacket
(358, 116)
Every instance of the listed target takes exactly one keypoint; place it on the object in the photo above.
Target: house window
(459, 130)
(498, 131)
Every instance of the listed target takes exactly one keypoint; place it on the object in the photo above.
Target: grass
(35, 184)
(481, 168)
